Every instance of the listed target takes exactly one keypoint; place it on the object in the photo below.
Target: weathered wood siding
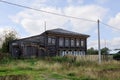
(47, 44)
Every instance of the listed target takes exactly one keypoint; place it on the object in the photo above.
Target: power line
(18, 5)
(46, 11)
(109, 26)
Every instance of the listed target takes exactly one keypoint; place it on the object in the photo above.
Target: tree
(8, 36)
(116, 56)
(92, 51)
(104, 50)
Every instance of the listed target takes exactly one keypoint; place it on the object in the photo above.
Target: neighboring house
(112, 52)
(50, 43)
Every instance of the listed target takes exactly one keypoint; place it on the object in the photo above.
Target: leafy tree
(8, 36)
(92, 51)
(116, 56)
(104, 50)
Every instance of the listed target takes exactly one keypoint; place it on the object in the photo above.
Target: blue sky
(28, 22)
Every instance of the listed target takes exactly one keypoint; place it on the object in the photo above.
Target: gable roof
(54, 31)
(65, 32)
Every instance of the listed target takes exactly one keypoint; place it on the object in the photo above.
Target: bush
(5, 58)
(116, 56)
(59, 59)
(71, 74)
(70, 58)
(66, 58)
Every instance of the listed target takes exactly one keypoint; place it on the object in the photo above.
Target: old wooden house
(50, 43)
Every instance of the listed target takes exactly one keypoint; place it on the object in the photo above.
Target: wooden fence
(95, 57)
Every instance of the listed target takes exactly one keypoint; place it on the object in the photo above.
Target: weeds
(14, 77)
(60, 68)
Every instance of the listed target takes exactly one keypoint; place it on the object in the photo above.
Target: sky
(29, 22)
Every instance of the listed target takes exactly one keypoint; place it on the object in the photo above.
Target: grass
(57, 69)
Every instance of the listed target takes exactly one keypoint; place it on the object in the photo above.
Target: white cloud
(91, 12)
(101, 1)
(33, 21)
(77, 1)
(115, 21)
(111, 44)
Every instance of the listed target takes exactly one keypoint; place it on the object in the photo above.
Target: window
(72, 43)
(51, 41)
(77, 43)
(61, 41)
(66, 42)
(82, 43)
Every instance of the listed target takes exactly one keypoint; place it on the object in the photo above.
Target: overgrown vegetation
(116, 56)
(54, 68)
(92, 51)
(59, 68)
(7, 37)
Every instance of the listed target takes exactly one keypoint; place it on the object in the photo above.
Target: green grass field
(56, 69)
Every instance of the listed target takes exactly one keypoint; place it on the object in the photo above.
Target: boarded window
(61, 42)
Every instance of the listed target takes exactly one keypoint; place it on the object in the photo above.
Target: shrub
(59, 59)
(116, 56)
(71, 74)
(70, 58)
(66, 58)
(5, 58)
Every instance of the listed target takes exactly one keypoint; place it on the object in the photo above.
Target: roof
(113, 51)
(54, 31)
(62, 31)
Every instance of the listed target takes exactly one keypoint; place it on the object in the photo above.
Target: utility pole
(105, 44)
(45, 25)
(45, 39)
(99, 51)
